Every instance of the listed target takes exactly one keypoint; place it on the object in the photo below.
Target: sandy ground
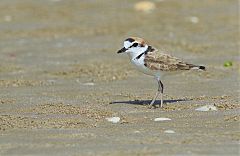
(60, 77)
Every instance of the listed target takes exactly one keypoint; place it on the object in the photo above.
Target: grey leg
(154, 99)
(160, 91)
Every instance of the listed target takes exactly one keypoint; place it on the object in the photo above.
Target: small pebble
(145, 6)
(169, 131)
(162, 119)
(113, 119)
(194, 19)
(206, 108)
(136, 131)
(89, 84)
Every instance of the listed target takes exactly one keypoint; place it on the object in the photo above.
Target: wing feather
(164, 62)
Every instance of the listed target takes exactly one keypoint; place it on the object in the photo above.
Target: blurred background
(49, 32)
(61, 76)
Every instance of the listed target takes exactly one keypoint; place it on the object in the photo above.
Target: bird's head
(133, 45)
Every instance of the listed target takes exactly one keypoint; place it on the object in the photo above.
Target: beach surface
(61, 77)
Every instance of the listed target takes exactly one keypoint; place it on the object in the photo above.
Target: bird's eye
(135, 45)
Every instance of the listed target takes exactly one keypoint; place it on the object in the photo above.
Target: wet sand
(60, 77)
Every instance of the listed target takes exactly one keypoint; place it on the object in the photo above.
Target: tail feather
(202, 67)
(198, 67)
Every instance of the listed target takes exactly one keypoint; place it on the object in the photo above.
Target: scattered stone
(89, 84)
(136, 131)
(113, 119)
(169, 131)
(145, 6)
(207, 108)
(162, 119)
(194, 19)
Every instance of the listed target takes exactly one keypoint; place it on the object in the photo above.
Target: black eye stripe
(134, 45)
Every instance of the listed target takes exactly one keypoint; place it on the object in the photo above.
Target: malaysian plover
(147, 60)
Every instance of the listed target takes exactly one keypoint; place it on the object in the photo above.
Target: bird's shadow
(146, 102)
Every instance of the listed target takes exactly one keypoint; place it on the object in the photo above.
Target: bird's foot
(152, 106)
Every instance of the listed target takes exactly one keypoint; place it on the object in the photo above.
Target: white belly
(139, 65)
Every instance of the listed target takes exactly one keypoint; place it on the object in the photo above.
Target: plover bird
(148, 60)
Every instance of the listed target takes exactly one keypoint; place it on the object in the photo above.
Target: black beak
(122, 50)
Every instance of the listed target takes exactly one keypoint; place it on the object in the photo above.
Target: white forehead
(127, 44)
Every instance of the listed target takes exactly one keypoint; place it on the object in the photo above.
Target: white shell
(88, 84)
(169, 131)
(113, 119)
(194, 19)
(162, 119)
(207, 108)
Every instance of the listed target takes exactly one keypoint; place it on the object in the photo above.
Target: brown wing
(164, 62)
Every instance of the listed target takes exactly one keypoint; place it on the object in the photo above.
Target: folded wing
(164, 62)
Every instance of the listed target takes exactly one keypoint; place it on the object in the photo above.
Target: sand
(60, 78)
